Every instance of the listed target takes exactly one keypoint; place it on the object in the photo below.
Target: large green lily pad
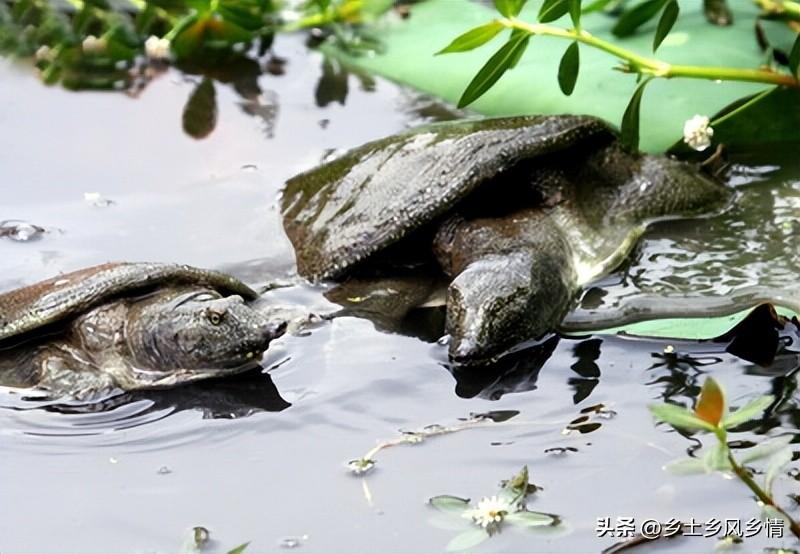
(532, 86)
(686, 328)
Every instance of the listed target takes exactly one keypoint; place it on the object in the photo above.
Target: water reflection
(230, 398)
(513, 373)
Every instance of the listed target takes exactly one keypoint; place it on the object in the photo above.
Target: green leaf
(525, 518)
(629, 129)
(666, 22)
(449, 504)
(509, 8)
(747, 412)
(689, 328)
(239, 549)
(467, 539)
(716, 458)
(770, 512)
(494, 69)
(517, 34)
(765, 449)
(711, 405)
(777, 462)
(637, 16)
(552, 10)
(686, 466)
(596, 6)
(568, 69)
(679, 417)
(794, 57)
(473, 38)
(575, 13)
(515, 489)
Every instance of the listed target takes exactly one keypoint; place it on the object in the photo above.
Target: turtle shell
(29, 308)
(342, 212)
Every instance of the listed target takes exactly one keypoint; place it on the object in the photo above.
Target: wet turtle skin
(129, 326)
(520, 212)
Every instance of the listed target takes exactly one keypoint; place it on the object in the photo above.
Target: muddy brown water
(263, 458)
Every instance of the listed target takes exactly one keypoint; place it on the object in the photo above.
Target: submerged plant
(492, 513)
(711, 414)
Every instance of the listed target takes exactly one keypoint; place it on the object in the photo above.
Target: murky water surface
(263, 458)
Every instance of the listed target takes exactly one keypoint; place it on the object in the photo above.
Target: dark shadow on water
(515, 372)
(229, 398)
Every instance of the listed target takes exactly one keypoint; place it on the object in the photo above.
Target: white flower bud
(93, 45)
(697, 133)
(157, 48)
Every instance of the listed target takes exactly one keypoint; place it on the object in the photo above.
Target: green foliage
(629, 130)
(630, 21)
(509, 8)
(239, 549)
(568, 69)
(575, 13)
(553, 9)
(505, 58)
(473, 38)
(449, 504)
(600, 91)
(100, 44)
(688, 328)
(794, 57)
(710, 415)
(680, 417)
(668, 18)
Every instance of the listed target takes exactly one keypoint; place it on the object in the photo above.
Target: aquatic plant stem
(766, 499)
(636, 63)
(747, 479)
(786, 7)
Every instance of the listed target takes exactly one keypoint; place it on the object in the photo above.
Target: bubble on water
(96, 199)
(292, 542)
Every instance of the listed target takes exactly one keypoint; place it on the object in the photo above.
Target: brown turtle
(518, 212)
(129, 326)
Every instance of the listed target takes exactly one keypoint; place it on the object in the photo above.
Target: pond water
(263, 458)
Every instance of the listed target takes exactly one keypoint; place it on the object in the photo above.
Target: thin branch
(636, 63)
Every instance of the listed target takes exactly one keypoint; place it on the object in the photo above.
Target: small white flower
(93, 45)
(44, 53)
(697, 133)
(489, 512)
(157, 48)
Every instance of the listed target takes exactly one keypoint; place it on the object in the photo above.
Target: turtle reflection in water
(129, 326)
(518, 213)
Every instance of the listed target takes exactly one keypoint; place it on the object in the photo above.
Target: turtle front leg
(513, 281)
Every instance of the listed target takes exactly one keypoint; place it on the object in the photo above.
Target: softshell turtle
(129, 326)
(519, 213)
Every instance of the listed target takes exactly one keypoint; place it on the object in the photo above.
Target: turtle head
(664, 187)
(499, 301)
(198, 333)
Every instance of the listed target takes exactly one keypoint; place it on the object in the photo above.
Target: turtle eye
(215, 318)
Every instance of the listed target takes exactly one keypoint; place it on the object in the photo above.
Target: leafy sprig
(711, 414)
(645, 68)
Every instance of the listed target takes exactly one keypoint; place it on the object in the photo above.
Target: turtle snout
(464, 352)
(275, 329)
